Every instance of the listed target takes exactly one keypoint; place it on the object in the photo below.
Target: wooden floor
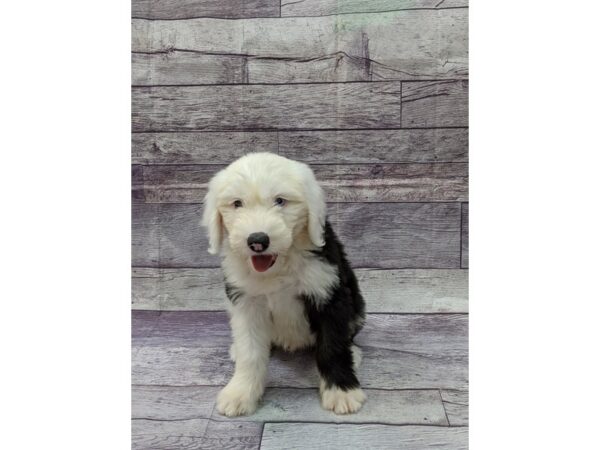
(414, 372)
(373, 94)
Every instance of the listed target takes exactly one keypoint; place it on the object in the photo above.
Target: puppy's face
(263, 204)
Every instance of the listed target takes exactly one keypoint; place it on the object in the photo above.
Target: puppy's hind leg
(336, 360)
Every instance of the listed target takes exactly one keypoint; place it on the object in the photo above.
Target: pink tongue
(262, 262)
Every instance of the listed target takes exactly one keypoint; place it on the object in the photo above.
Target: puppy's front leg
(250, 325)
(340, 389)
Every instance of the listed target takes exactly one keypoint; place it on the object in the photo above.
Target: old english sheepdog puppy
(287, 279)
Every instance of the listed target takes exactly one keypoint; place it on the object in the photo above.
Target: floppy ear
(315, 199)
(211, 218)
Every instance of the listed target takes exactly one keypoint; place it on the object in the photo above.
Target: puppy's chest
(288, 313)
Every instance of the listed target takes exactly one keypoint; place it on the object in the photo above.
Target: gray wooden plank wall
(373, 94)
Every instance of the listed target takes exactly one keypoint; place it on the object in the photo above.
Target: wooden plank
(291, 8)
(185, 9)
(400, 45)
(397, 407)
(243, 107)
(464, 242)
(389, 291)
(435, 104)
(202, 434)
(324, 147)
(178, 289)
(201, 148)
(375, 235)
(456, 404)
(329, 68)
(415, 351)
(344, 436)
(137, 178)
(375, 146)
(179, 67)
(436, 182)
(423, 407)
(415, 291)
(173, 403)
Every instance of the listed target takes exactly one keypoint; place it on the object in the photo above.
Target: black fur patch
(232, 292)
(338, 319)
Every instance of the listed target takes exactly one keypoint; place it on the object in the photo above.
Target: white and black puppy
(287, 279)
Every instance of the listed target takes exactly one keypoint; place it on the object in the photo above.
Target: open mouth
(262, 263)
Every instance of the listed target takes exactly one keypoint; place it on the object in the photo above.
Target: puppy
(287, 279)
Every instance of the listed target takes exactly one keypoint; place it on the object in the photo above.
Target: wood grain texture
(439, 182)
(180, 67)
(323, 147)
(201, 148)
(291, 8)
(185, 9)
(465, 236)
(456, 404)
(375, 235)
(201, 434)
(375, 146)
(389, 291)
(243, 107)
(435, 104)
(177, 289)
(400, 45)
(416, 351)
(347, 436)
(173, 403)
(423, 407)
(415, 290)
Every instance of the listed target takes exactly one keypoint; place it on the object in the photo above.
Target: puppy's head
(263, 204)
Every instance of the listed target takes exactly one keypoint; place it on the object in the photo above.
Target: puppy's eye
(280, 201)
(237, 204)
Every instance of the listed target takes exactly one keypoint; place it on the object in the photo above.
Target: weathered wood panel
(401, 45)
(201, 148)
(178, 289)
(183, 67)
(243, 107)
(345, 436)
(403, 407)
(464, 242)
(435, 104)
(331, 68)
(456, 404)
(180, 67)
(324, 147)
(186, 9)
(375, 146)
(291, 8)
(173, 403)
(342, 183)
(201, 434)
(376, 235)
(389, 291)
(415, 351)
(415, 291)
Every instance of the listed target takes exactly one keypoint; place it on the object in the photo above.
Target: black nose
(258, 242)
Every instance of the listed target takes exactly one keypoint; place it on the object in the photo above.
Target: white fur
(291, 330)
(340, 401)
(251, 328)
(270, 310)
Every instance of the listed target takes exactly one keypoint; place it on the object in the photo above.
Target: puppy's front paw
(234, 400)
(342, 402)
